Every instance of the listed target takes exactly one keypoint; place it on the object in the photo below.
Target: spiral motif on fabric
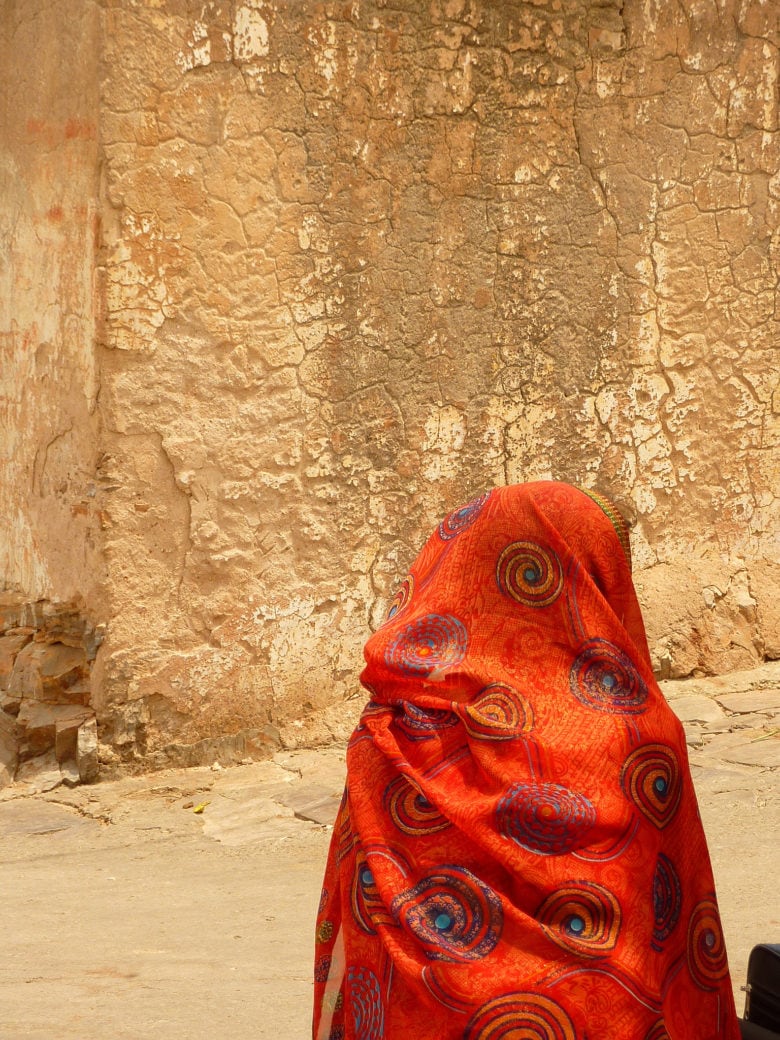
(365, 1001)
(411, 811)
(402, 597)
(651, 779)
(423, 723)
(603, 678)
(428, 644)
(367, 906)
(497, 713)
(667, 901)
(657, 1032)
(459, 519)
(706, 948)
(321, 969)
(583, 917)
(454, 915)
(547, 819)
(529, 574)
(520, 1016)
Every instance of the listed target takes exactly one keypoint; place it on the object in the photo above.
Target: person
(519, 854)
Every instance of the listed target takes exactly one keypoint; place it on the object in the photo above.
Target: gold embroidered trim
(615, 517)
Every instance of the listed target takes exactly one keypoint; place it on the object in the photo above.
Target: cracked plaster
(359, 261)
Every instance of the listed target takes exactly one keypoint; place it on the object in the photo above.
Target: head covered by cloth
(519, 854)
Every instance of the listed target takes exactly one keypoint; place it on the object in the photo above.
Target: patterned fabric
(519, 855)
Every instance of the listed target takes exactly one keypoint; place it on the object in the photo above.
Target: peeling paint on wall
(360, 262)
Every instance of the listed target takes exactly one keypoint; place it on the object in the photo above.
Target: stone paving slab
(731, 718)
(182, 904)
(761, 701)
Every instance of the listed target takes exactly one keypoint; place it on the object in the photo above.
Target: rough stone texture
(46, 657)
(733, 719)
(357, 262)
(8, 749)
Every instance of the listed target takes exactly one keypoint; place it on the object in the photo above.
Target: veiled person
(519, 854)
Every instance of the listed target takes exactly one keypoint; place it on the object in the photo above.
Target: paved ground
(180, 905)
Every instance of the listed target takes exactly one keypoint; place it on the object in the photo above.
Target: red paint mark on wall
(54, 214)
(79, 128)
(71, 130)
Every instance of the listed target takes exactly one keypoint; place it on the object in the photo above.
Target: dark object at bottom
(762, 1003)
(754, 1032)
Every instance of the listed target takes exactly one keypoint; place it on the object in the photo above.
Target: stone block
(64, 674)
(710, 628)
(767, 591)
(10, 645)
(10, 703)
(51, 672)
(87, 751)
(25, 679)
(66, 739)
(38, 724)
(11, 610)
(42, 773)
(70, 773)
(8, 749)
(37, 730)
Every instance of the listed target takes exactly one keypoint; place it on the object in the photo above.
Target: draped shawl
(519, 854)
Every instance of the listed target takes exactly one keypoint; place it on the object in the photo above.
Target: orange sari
(519, 854)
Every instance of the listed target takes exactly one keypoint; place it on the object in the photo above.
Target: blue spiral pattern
(459, 519)
(410, 810)
(429, 644)
(454, 915)
(367, 906)
(424, 723)
(651, 778)
(706, 949)
(667, 901)
(604, 678)
(530, 574)
(498, 712)
(547, 819)
(365, 1002)
(584, 917)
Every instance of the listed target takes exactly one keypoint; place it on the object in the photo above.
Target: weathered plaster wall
(50, 559)
(364, 259)
(48, 229)
(361, 260)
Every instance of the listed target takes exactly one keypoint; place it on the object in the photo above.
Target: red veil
(519, 854)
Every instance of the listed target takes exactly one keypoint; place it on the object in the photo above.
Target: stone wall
(360, 261)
